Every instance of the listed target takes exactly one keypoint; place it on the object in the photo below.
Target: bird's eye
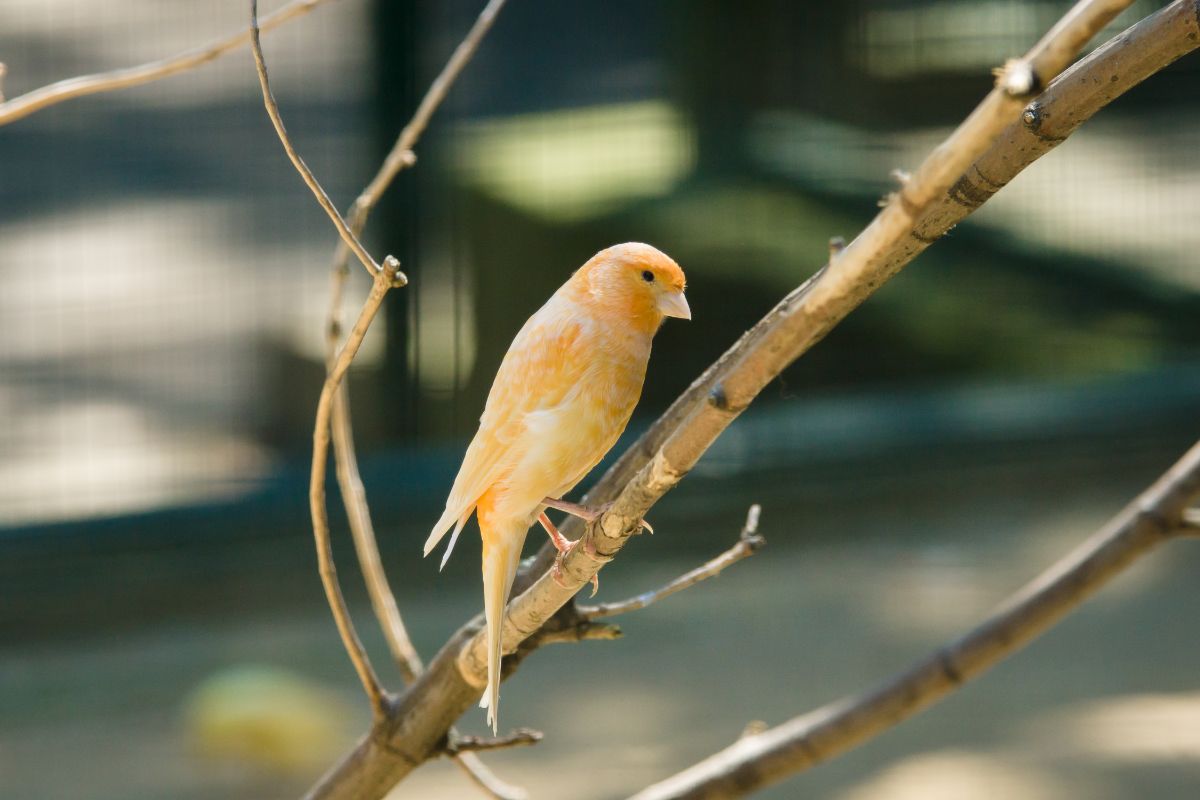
(648, 276)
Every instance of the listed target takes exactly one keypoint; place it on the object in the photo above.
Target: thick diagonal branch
(765, 758)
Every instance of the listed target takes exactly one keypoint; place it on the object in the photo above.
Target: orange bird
(564, 393)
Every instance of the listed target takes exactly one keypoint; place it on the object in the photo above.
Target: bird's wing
(544, 362)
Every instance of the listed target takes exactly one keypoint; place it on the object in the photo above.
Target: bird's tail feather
(443, 525)
(501, 555)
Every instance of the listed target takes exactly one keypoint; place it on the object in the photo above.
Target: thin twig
(318, 191)
(401, 156)
(763, 759)
(83, 85)
(582, 631)
(385, 278)
(663, 454)
(353, 493)
(354, 498)
(749, 543)
(486, 780)
(521, 737)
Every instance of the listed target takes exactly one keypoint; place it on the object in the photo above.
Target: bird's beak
(674, 304)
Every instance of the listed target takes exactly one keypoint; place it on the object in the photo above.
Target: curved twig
(348, 236)
(83, 85)
(353, 493)
(749, 543)
(401, 156)
(385, 278)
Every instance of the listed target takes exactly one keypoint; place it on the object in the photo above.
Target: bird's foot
(564, 546)
(585, 513)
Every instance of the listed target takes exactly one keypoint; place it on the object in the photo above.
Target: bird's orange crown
(635, 281)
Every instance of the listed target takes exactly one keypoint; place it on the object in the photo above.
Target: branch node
(717, 398)
(391, 272)
(1032, 116)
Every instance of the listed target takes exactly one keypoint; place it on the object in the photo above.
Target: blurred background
(163, 286)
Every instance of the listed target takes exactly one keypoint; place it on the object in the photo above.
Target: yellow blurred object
(269, 718)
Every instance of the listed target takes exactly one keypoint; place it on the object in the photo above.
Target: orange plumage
(563, 395)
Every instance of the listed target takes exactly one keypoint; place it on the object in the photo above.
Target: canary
(564, 393)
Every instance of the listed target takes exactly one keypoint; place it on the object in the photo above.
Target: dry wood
(768, 757)
(521, 737)
(83, 85)
(385, 278)
(350, 485)
(401, 156)
(749, 543)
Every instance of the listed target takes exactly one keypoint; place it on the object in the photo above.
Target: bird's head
(637, 282)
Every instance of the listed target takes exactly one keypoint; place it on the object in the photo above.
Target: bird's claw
(556, 571)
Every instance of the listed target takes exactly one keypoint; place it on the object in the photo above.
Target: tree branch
(749, 543)
(83, 85)
(662, 456)
(487, 781)
(1191, 523)
(385, 278)
(401, 156)
(768, 757)
(348, 236)
(521, 737)
(354, 497)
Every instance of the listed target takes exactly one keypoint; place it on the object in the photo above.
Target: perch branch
(318, 191)
(796, 324)
(521, 737)
(765, 758)
(421, 717)
(749, 543)
(83, 85)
